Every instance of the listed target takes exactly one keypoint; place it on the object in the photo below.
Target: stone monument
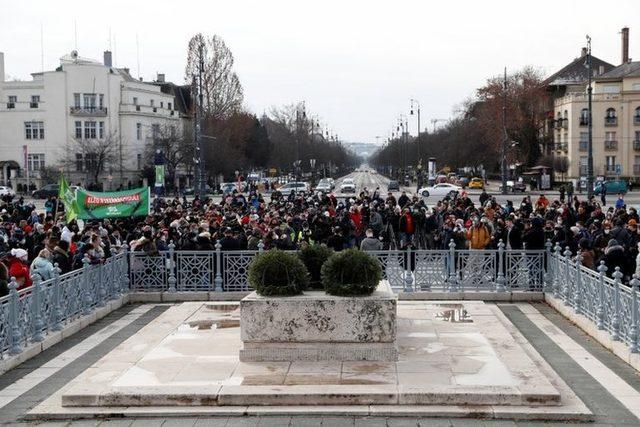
(317, 326)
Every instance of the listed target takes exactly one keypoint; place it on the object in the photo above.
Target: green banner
(112, 204)
(67, 196)
(159, 175)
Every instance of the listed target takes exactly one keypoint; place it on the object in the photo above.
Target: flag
(68, 197)
(112, 204)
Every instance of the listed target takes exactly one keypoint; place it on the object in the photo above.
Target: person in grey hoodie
(42, 266)
(370, 243)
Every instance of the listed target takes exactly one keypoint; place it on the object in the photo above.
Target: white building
(62, 118)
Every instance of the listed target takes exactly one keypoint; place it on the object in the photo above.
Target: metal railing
(28, 315)
(410, 270)
(611, 305)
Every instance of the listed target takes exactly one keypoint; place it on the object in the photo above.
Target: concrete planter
(317, 326)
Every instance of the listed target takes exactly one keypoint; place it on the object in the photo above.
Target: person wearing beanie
(614, 256)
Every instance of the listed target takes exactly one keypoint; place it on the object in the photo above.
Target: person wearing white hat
(19, 268)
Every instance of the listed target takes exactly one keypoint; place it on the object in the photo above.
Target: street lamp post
(416, 103)
(589, 124)
(503, 163)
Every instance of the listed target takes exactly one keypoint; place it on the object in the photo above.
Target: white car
(295, 186)
(348, 186)
(6, 191)
(443, 189)
(324, 186)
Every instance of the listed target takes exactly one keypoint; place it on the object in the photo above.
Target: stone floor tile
(304, 421)
(329, 367)
(338, 421)
(212, 422)
(434, 422)
(274, 421)
(402, 422)
(242, 422)
(180, 422)
(370, 422)
(116, 423)
(148, 422)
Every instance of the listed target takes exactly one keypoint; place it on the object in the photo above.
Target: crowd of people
(34, 241)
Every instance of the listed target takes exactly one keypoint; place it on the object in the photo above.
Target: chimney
(583, 52)
(625, 45)
(107, 58)
(1, 68)
(160, 78)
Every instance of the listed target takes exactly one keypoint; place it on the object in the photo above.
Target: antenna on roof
(41, 47)
(138, 55)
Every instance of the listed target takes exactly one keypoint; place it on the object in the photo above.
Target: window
(138, 131)
(90, 130)
(610, 117)
(101, 101)
(637, 139)
(152, 103)
(161, 104)
(584, 117)
(610, 142)
(34, 130)
(610, 163)
(76, 100)
(78, 162)
(89, 101)
(169, 106)
(35, 101)
(101, 130)
(12, 101)
(91, 161)
(155, 130)
(135, 100)
(609, 136)
(584, 164)
(35, 162)
(636, 116)
(584, 141)
(78, 130)
(139, 161)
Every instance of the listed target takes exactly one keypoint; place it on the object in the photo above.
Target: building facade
(88, 119)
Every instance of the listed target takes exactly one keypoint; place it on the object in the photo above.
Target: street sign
(618, 169)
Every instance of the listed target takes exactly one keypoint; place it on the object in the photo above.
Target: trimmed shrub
(351, 273)
(313, 257)
(278, 273)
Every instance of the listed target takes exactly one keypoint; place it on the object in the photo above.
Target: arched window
(636, 116)
(610, 117)
(584, 117)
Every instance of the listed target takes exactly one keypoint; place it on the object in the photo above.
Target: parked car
(518, 185)
(463, 181)
(296, 186)
(348, 186)
(6, 191)
(393, 186)
(613, 187)
(48, 190)
(442, 189)
(476, 183)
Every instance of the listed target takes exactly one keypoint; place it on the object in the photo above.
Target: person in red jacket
(19, 268)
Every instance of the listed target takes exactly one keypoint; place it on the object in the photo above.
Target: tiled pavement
(590, 370)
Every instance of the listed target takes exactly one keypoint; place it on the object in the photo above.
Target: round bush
(278, 273)
(351, 273)
(313, 257)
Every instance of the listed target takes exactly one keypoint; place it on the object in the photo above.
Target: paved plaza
(471, 343)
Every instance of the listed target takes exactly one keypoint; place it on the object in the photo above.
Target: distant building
(49, 121)
(615, 114)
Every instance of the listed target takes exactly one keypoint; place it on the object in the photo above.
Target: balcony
(610, 145)
(584, 121)
(636, 145)
(611, 121)
(88, 111)
(636, 169)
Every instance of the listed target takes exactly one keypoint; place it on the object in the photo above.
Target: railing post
(557, 253)
(36, 309)
(577, 295)
(500, 279)
(260, 246)
(615, 320)
(523, 269)
(14, 313)
(602, 269)
(125, 282)
(567, 270)
(87, 299)
(218, 279)
(102, 292)
(408, 280)
(548, 275)
(170, 265)
(452, 267)
(57, 299)
(633, 330)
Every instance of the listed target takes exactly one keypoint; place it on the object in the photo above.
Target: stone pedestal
(316, 326)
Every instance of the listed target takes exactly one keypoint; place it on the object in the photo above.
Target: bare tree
(97, 154)
(221, 88)
(177, 148)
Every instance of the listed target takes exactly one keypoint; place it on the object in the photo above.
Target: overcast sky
(355, 63)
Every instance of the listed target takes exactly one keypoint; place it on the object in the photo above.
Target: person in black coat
(614, 256)
(61, 256)
(514, 234)
(534, 235)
